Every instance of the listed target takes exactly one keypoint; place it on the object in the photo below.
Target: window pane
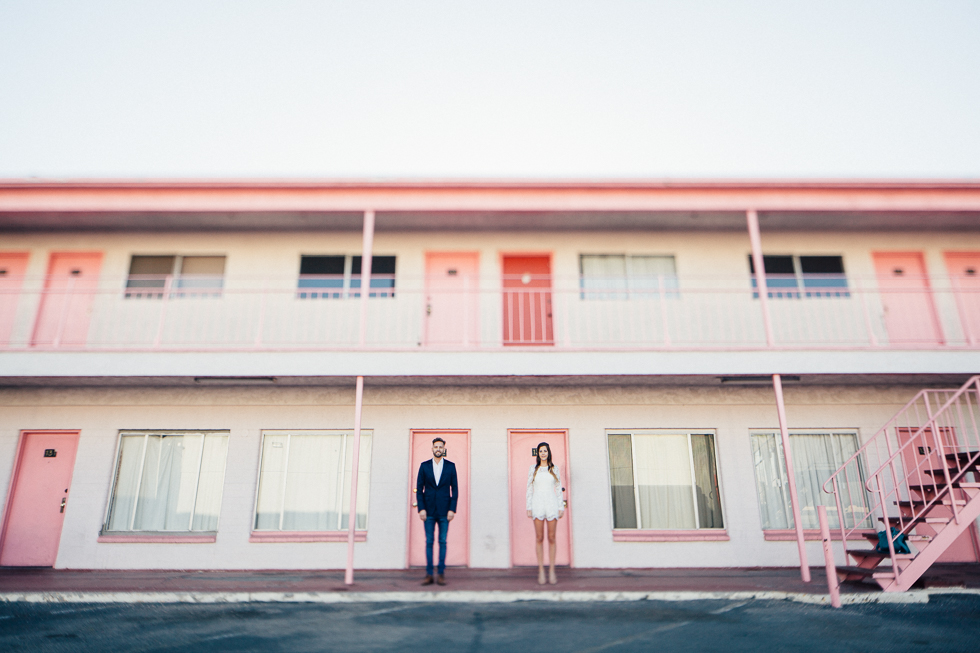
(815, 457)
(211, 483)
(169, 480)
(706, 482)
(603, 276)
(203, 265)
(621, 479)
(663, 480)
(363, 482)
(311, 482)
(203, 274)
(781, 280)
(127, 478)
(162, 265)
(646, 273)
(823, 276)
(382, 276)
(320, 265)
(271, 479)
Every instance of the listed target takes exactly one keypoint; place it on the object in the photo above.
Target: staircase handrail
(930, 423)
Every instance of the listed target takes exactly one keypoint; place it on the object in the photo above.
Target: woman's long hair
(551, 465)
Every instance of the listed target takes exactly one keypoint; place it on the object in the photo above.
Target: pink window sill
(705, 535)
(809, 535)
(144, 538)
(304, 536)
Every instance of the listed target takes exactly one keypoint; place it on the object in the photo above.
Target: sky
(609, 89)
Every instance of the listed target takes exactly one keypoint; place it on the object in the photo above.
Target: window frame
(669, 289)
(641, 534)
(106, 535)
(801, 289)
(350, 281)
(774, 533)
(173, 287)
(279, 535)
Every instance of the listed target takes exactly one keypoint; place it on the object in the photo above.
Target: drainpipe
(366, 254)
(355, 461)
(752, 218)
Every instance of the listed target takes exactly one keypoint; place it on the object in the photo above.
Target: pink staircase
(923, 483)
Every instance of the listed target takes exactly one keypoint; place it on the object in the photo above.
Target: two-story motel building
(179, 363)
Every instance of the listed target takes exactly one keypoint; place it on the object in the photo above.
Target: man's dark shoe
(440, 580)
(427, 580)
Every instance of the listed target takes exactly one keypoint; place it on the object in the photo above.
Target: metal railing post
(758, 262)
(828, 557)
(366, 249)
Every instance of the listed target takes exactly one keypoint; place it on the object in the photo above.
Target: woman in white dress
(545, 506)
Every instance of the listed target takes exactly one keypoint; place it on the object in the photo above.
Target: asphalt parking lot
(949, 623)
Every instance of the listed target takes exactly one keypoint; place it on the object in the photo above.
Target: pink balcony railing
(406, 313)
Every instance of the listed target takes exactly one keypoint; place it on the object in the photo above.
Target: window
(792, 277)
(815, 457)
(617, 276)
(338, 276)
(664, 480)
(168, 482)
(304, 481)
(176, 276)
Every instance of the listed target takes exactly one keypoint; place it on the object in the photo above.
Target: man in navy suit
(437, 495)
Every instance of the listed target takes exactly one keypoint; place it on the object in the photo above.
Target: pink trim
(694, 535)
(147, 538)
(809, 534)
(305, 536)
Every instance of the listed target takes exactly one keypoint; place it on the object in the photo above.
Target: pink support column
(777, 384)
(758, 263)
(833, 585)
(355, 461)
(366, 247)
(755, 240)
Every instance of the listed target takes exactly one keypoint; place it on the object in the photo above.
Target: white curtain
(646, 273)
(816, 456)
(169, 481)
(310, 491)
(664, 483)
(604, 276)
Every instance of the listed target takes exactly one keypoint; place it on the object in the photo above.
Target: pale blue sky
(490, 89)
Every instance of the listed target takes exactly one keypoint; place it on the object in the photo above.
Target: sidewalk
(470, 585)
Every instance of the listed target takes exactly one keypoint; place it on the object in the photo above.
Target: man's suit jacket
(437, 500)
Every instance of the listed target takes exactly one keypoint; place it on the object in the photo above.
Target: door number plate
(50, 453)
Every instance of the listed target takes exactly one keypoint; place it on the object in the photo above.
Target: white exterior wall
(391, 412)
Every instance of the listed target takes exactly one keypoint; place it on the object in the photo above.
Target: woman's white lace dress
(544, 492)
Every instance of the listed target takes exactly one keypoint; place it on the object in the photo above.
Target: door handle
(428, 309)
(415, 504)
(64, 500)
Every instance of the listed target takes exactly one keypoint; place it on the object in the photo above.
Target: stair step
(895, 521)
(911, 537)
(917, 504)
(869, 553)
(962, 455)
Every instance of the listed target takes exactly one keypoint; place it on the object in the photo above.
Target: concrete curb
(463, 596)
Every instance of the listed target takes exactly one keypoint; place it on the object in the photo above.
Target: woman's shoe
(551, 577)
(540, 576)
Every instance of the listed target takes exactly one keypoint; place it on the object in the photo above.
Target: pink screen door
(452, 303)
(527, 301)
(38, 499)
(964, 547)
(68, 296)
(964, 273)
(522, 445)
(458, 540)
(910, 316)
(12, 269)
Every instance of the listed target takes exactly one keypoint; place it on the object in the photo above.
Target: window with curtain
(168, 482)
(617, 276)
(184, 276)
(664, 481)
(339, 277)
(816, 456)
(305, 480)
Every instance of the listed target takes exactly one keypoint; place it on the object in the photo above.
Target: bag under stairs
(925, 485)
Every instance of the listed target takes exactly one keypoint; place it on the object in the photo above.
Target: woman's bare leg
(552, 550)
(539, 547)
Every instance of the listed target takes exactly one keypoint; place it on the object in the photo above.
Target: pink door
(964, 274)
(38, 499)
(910, 316)
(527, 301)
(12, 269)
(522, 454)
(458, 540)
(68, 296)
(963, 548)
(452, 303)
